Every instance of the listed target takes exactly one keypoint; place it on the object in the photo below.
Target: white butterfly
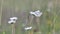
(36, 13)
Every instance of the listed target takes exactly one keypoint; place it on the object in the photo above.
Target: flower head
(28, 28)
(36, 13)
(12, 20)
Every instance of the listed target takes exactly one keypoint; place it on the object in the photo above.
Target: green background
(49, 22)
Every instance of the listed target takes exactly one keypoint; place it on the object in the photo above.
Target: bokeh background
(48, 23)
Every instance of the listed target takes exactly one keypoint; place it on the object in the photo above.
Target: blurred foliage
(48, 21)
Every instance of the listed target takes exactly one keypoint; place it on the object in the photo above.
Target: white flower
(12, 20)
(32, 13)
(36, 13)
(28, 28)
